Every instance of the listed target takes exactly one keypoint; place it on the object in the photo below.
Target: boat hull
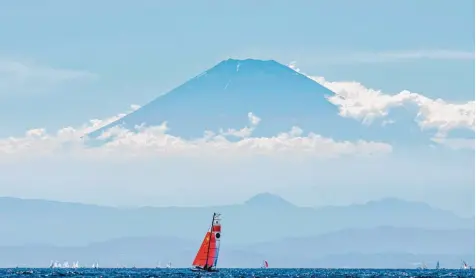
(199, 269)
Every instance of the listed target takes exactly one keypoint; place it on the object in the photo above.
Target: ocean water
(232, 273)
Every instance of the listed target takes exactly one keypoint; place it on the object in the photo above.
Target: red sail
(208, 247)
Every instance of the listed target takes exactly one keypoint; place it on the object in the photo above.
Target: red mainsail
(208, 247)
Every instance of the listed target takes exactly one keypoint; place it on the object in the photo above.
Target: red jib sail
(207, 255)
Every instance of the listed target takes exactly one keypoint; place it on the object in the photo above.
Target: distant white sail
(422, 266)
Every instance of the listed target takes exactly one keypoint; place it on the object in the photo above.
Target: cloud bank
(366, 105)
(154, 141)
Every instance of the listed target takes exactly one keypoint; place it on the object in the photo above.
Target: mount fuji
(221, 98)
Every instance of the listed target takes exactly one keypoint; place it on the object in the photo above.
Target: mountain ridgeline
(271, 215)
(222, 96)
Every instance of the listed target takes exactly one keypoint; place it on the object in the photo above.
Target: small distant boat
(65, 264)
(56, 264)
(159, 265)
(207, 255)
(464, 265)
(95, 266)
(437, 265)
(422, 266)
(169, 265)
(265, 264)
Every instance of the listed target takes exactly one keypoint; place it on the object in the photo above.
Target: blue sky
(65, 62)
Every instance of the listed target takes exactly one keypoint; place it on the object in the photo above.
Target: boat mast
(211, 233)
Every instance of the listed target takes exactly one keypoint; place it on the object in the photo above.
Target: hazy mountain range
(273, 216)
(264, 227)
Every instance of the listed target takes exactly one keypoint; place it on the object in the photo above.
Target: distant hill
(222, 96)
(383, 247)
(48, 222)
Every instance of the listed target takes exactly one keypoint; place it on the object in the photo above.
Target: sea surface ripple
(237, 272)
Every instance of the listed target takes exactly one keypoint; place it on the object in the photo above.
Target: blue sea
(232, 273)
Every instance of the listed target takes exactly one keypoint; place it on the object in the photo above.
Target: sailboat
(422, 266)
(207, 255)
(438, 265)
(464, 265)
(265, 264)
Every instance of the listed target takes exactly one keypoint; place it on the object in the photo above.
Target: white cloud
(356, 101)
(154, 141)
(246, 131)
(253, 119)
(18, 77)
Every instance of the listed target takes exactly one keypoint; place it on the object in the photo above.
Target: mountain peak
(222, 96)
(268, 200)
(235, 70)
(248, 61)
